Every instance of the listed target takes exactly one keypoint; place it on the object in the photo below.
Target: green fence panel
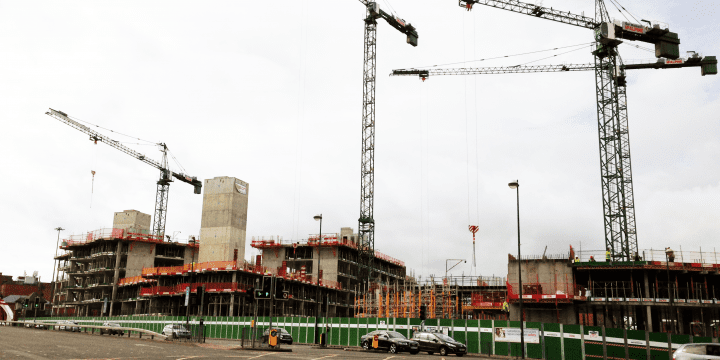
(572, 342)
(515, 348)
(593, 341)
(701, 339)
(658, 346)
(345, 331)
(401, 326)
(459, 333)
(353, 332)
(501, 348)
(472, 336)
(302, 331)
(552, 342)
(637, 349)
(680, 339)
(295, 330)
(534, 351)
(486, 337)
(362, 328)
(334, 335)
(615, 343)
(310, 339)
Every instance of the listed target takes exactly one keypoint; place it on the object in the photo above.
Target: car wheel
(393, 349)
(175, 336)
(443, 351)
(365, 346)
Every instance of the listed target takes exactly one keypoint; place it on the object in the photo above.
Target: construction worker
(506, 307)
(592, 259)
(670, 254)
(607, 255)
(577, 260)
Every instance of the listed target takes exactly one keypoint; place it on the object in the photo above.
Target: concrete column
(116, 278)
(231, 311)
(681, 320)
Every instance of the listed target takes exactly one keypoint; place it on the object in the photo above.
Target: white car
(176, 331)
(68, 326)
(700, 351)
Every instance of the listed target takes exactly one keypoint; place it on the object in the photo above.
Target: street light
(516, 185)
(317, 302)
(56, 269)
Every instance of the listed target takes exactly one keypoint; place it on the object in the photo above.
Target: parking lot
(23, 343)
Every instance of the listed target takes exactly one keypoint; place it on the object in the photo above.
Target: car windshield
(395, 335)
(178, 327)
(444, 337)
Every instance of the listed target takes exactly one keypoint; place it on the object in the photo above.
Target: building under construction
(651, 293)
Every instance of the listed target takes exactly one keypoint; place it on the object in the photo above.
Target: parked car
(697, 351)
(176, 331)
(439, 343)
(284, 337)
(392, 341)
(119, 331)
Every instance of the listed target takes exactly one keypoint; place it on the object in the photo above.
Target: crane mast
(366, 221)
(166, 175)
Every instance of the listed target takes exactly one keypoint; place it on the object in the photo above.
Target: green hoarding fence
(556, 341)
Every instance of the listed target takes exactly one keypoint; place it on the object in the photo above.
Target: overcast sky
(271, 93)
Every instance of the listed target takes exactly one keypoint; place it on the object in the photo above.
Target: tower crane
(166, 175)
(614, 140)
(366, 222)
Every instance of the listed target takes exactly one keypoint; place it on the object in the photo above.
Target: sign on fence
(532, 336)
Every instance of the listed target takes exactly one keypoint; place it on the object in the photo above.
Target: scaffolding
(448, 298)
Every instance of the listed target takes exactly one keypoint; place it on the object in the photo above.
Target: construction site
(134, 268)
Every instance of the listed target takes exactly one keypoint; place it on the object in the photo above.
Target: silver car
(176, 331)
(697, 351)
(68, 326)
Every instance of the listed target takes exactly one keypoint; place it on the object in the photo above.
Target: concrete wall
(553, 275)
(140, 255)
(131, 219)
(224, 219)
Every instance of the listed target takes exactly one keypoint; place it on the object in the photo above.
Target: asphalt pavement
(24, 343)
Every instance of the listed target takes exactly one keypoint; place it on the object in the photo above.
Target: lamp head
(317, 217)
(514, 185)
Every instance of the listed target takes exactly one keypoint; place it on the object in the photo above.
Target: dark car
(117, 331)
(439, 343)
(283, 336)
(392, 341)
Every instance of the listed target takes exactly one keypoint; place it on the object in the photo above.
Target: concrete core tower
(224, 219)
